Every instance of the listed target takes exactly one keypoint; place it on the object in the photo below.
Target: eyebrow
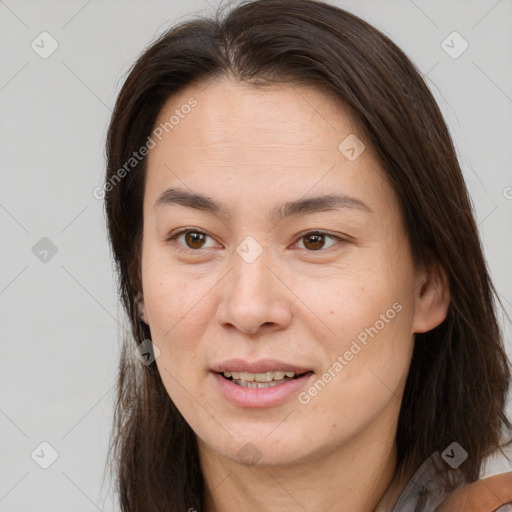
(321, 203)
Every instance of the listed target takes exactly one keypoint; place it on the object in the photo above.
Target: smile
(260, 380)
(277, 387)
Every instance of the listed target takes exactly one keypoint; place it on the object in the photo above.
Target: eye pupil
(318, 238)
(192, 237)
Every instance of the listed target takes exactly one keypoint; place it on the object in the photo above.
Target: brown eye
(315, 241)
(194, 239)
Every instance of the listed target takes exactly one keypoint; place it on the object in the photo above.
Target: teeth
(245, 384)
(259, 377)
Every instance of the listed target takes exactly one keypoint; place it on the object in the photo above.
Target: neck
(355, 476)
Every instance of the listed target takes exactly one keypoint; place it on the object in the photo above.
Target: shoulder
(486, 495)
(491, 493)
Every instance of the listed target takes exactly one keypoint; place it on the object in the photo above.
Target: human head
(282, 43)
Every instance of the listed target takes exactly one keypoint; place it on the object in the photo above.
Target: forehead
(259, 139)
(280, 118)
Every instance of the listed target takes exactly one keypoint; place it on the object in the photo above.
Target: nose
(255, 297)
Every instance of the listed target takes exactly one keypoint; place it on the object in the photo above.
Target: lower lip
(260, 397)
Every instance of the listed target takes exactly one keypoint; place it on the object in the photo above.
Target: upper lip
(261, 366)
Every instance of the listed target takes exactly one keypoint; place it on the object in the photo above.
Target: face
(248, 267)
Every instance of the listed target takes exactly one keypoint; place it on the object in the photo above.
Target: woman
(313, 323)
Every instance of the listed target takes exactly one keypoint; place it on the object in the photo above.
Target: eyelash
(197, 231)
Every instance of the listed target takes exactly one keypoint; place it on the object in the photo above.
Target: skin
(485, 495)
(300, 301)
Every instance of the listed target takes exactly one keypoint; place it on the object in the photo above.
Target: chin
(264, 449)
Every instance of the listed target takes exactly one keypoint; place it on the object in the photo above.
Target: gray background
(60, 317)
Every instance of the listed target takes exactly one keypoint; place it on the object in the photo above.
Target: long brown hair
(458, 380)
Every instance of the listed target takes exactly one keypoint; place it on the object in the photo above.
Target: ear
(431, 297)
(141, 309)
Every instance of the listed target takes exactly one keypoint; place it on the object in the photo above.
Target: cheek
(369, 357)
(170, 291)
(175, 306)
(370, 314)
(177, 317)
(176, 310)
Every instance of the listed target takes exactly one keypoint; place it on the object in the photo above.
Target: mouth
(263, 379)
(262, 383)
